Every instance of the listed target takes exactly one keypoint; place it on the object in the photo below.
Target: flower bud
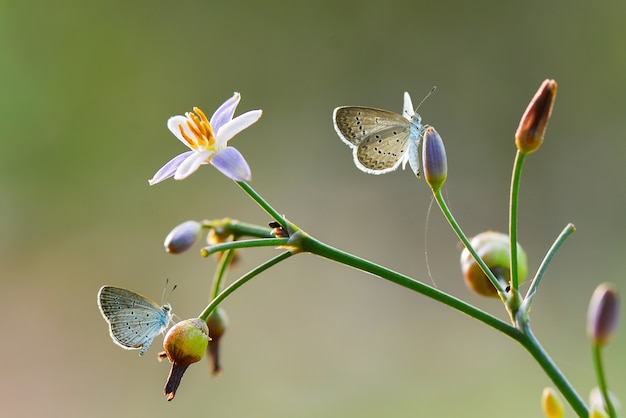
(551, 404)
(184, 344)
(597, 406)
(603, 314)
(217, 322)
(434, 159)
(596, 412)
(494, 249)
(218, 236)
(181, 238)
(532, 127)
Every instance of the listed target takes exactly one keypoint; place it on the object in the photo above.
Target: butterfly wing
(134, 320)
(132, 328)
(379, 138)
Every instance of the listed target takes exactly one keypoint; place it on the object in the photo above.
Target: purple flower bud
(603, 314)
(434, 159)
(182, 237)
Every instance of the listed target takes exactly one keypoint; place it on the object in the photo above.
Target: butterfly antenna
(164, 296)
(426, 97)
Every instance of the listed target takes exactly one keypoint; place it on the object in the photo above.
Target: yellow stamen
(205, 125)
(202, 115)
(193, 127)
(190, 141)
(201, 129)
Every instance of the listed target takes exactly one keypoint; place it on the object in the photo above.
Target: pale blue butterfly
(381, 140)
(134, 320)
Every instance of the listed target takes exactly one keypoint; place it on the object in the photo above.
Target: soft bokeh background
(86, 90)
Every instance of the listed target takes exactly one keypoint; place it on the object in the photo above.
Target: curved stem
(459, 232)
(530, 295)
(240, 282)
(313, 246)
(220, 272)
(261, 202)
(597, 361)
(249, 243)
(513, 203)
(530, 343)
(234, 227)
(524, 337)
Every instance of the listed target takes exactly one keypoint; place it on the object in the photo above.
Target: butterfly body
(134, 320)
(381, 140)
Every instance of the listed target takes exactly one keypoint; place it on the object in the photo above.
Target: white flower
(208, 142)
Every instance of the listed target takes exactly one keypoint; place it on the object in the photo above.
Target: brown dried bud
(184, 344)
(532, 127)
(217, 322)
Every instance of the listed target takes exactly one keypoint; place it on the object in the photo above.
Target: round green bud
(494, 249)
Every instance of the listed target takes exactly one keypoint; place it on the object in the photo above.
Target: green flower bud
(532, 127)
(603, 314)
(181, 238)
(551, 404)
(184, 344)
(494, 249)
(217, 322)
(434, 159)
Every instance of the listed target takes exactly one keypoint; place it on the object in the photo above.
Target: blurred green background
(86, 90)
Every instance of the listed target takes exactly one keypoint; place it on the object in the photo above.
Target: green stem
(531, 344)
(261, 202)
(513, 204)
(602, 385)
(247, 243)
(310, 244)
(526, 338)
(229, 226)
(530, 295)
(240, 282)
(220, 272)
(459, 232)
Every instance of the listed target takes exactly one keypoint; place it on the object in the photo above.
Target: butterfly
(134, 320)
(381, 140)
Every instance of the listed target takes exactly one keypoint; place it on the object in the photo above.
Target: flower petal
(225, 112)
(169, 168)
(235, 126)
(409, 110)
(231, 163)
(191, 164)
(173, 124)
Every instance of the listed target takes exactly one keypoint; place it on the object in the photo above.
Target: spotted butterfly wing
(134, 320)
(381, 140)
